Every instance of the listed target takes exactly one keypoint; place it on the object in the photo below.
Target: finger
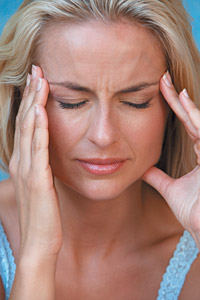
(158, 180)
(40, 152)
(25, 141)
(26, 102)
(42, 92)
(192, 111)
(30, 94)
(197, 151)
(28, 125)
(17, 120)
(32, 84)
(174, 102)
(25, 94)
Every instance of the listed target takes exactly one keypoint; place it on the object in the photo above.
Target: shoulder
(192, 282)
(2, 292)
(189, 264)
(182, 274)
(9, 214)
(7, 199)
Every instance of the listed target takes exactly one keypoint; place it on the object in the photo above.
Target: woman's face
(104, 103)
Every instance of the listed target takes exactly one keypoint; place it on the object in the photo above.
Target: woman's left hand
(182, 194)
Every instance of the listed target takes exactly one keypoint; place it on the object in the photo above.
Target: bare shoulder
(191, 287)
(6, 188)
(7, 198)
(9, 214)
(2, 292)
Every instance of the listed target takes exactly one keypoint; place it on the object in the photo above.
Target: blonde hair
(167, 19)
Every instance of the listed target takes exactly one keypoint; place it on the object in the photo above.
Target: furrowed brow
(72, 86)
(75, 87)
(138, 87)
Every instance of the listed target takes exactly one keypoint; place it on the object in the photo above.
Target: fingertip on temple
(167, 79)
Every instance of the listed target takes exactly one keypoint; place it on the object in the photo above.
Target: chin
(98, 190)
(100, 194)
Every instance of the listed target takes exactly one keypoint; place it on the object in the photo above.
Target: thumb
(158, 180)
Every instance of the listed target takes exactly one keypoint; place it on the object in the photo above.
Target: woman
(95, 118)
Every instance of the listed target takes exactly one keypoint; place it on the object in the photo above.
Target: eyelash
(80, 104)
(138, 105)
(71, 105)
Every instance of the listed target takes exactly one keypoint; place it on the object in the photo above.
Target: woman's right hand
(37, 200)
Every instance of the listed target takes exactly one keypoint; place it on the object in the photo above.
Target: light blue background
(8, 7)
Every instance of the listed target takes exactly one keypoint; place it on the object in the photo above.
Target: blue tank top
(170, 287)
(7, 263)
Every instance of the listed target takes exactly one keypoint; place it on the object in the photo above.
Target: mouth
(97, 166)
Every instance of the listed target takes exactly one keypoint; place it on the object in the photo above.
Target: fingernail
(28, 80)
(39, 84)
(34, 71)
(37, 110)
(185, 93)
(167, 79)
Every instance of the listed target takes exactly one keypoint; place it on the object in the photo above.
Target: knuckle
(36, 145)
(32, 90)
(23, 127)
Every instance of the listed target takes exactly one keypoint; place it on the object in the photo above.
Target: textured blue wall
(8, 7)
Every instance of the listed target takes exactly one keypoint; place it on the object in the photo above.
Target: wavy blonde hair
(167, 19)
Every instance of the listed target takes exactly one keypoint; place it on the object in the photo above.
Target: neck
(94, 226)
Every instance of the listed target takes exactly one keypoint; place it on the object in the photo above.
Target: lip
(97, 166)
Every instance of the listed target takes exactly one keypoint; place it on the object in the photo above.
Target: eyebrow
(75, 87)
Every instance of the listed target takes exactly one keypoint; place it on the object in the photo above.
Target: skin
(109, 231)
(104, 127)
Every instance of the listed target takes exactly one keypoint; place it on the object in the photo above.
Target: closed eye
(138, 105)
(65, 105)
(71, 105)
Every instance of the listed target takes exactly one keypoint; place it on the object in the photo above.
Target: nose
(103, 129)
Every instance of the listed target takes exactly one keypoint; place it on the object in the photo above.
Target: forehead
(117, 49)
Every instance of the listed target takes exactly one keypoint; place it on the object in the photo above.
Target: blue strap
(7, 263)
(179, 265)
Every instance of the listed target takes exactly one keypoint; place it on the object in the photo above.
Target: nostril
(103, 131)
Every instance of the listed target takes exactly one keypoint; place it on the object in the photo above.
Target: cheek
(155, 131)
(64, 131)
(146, 133)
